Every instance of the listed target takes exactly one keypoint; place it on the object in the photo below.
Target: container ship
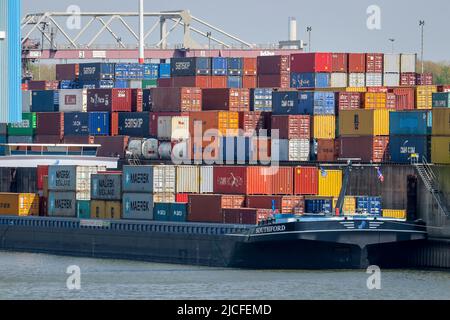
(106, 162)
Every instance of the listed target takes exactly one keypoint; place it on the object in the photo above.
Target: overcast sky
(337, 25)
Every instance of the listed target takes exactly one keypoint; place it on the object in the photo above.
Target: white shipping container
(164, 198)
(206, 179)
(374, 79)
(188, 179)
(164, 180)
(339, 80)
(164, 128)
(62, 204)
(180, 128)
(357, 80)
(391, 63)
(291, 150)
(135, 84)
(391, 79)
(408, 62)
(73, 100)
(26, 101)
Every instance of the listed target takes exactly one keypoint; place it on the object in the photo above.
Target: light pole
(309, 29)
(392, 44)
(422, 25)
(209, 34)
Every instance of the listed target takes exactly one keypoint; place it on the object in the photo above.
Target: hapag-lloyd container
(261, 99)
(96, 71)
(410, 122)
(367, 148)
(62, 204)
(357, 80)
(391, 63)
(402, 148)
(356, 63)
(339, 63)
(292, 126)
(73, 100)
(176, 99)
(188, 179)
(208, 208)
(311, 62)
(109, 100)
(349, 100)
(50, 124)
(364, 122)
(290, 150)
(137, 206)
(374, 62)
(164, 179)
(310, 80)
(137, 179)
(338, 80)
(67, 71)
(226, 99)
(441, 121)
(282, 81)
(106, 186)
(76, 124)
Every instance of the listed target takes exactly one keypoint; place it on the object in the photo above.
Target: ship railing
(36, 149)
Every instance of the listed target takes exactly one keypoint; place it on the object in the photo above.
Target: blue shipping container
(69, 84)
(164, 71)
(317, 103)
(45, 101)
(99, 123)
(235, 66)
(402, 147)
(410, 122)
(368, 205)
(318, 205)
(147, 103)
(219, 66)
(161, 211)
(122, 84)
(261, 99)
(234, 82)
(96, 71)
(310, 80)
(102, 84)
(76, 124)
(181, 67)
(178, 212)
(3, 139)
(285, 102)
(151, 71)
(238, 150)
(134, 124)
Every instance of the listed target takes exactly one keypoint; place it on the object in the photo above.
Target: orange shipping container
(218, 82)
(282, 180)
(250, 66)
(375, 100)
(327, 150)
(306, 180)
(249, 82)
(258, 181)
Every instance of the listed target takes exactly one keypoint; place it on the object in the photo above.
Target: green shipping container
(441, 100)
(148, 84)
(24, 128)
(83, 209)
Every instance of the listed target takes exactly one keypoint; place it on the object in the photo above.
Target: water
(37, 276)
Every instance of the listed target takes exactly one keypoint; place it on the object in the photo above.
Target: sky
(339, 26)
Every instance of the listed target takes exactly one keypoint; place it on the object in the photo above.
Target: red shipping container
(182, 198)
(311, 62)
(50, 124)
(249, 82)
(272, 65)
(43, 85)
(444, 88)
(164, 83)
(367, 148)
(349, 100)
(292, 126)
(377, 89)
(196, 81)
(67, 71)
(114, 147)
(283, 204)
(283, 180)
(41, 171)
(218, 82)
(208, 208)
(282, 81)
(374, 63)
(408, 79)
(339, 62)
(391, 101)
(109, 100)
(424, 79)
(176, 99)
(356, 62)
(404, 98)
(137, 100)
(326, 150)
(248, 216)
(226, 99)
(250, 66)
(306, 181)
(252, 121)
(230, 180)
(259, 180)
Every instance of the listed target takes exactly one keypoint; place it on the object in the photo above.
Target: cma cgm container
(106, 186)
(285, 102)
(73, 100)
(137, 206)
(50, 124)
(219, 66)
(364, 122)
(181, 67)
(99, 123)
(208, 208)
(339, 62)
(226, 99)
(292, 126)
(349, 100)
(367, 148)
(45, 101)
(176, 99)
(76, 124)
(133, 124)
(261, 99)
(410, 123)
(109, 100)
(137, 179)
(316, 103)
(235, 66)
(441, 121)
(26, 127)
(69, 71)
(402, 147)
(311, 62)
(96, 71)
(357, 63)
(310, 80)
(62, 204)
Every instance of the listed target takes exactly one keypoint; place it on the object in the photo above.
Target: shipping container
(164, 179)
(62, 204)
(330, 183)
(311, 62)
(99, 123)
(368, 205)
(112, 146)
(137, 179)
(26, 127)
(41, 171)
(250, 66)
(246, 216)
(226, 99)
(441, 122)
(163, 197)
(181, 67)
(50, 124)
(408, 62)
(252, 122)
(374, 100)
(219, 66)
(348, 207)
(27, 100)
(137, 206)
(208, 208)
(188, 179)
(109, 100)
(178, 212)
(235, 82)
(408, 79)
(148, 84)
(73, 100)
(133, 124)
(393, 213)
(374, 79)
(230, 180)
(282, 181)
(410, 122)
(357, 63)
(403, 148)
(391, 63)
(164, 70)
(424, 96)
(339, 63)
(317, 103)
(306, 181)
(391, 79)
(106, 186)
(318, 205)
(261, 99)
(327, 150)
(96, 71)
(441, 100)
(43, 85)
(349, 100)
(273, 65)
(277, 203)
(98, 209)
(404, 98)
(109, 210)
(292, 126)
(182, 198)
(285, 102)
(176, 99)
(235, 66)
(227, 123)
(19, 204)
(45, 101)
(310, 80)
(206, 179)
(357, 80)
(375, 63)
(76, 124)
(192, 81)
(440, 150)
(20, 139)
(323, 127)
(218, 82)
(282, 81)
(366, 148)
(83, 209)
(424, 79)
(161, 212)
(338, 80)
(290, 150)
(69, 71)
(364, 122)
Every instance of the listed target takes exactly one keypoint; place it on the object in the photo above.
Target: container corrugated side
(106, 186)
(424, 96)
(330, 183)
(364, 122)
(206, 179)
(188, 179)
(324, 127)
(394, 213)
(164, 179)
(137, 179)
(441, 122)
(440, 150)
(62, 204)
(137, 206)
(306, 181)
(349, 206)
(19, 204)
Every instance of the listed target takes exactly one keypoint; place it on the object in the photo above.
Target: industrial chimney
(292, 29)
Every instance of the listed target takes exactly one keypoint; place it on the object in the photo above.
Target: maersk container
(161, 211)
(234, 82)
(285, 102)
(317, 103)
(72, 178)
(319, 205)
(134, 124)
(290, 150)
(401, 148)
(235, 66)
(106, 186)
(410, 123)
(368, 205)
(137, 179)
(310, 80)
(181, 67)
(261, 99)
(96, 71)
(26, 127)
(137, 206)
(76, 124)
(164, 180)
(99, 123)
(97, 84)
(178, 212)
(62, 204)
(83, 209)
(206, 179)
(45, 101)
(219, 66)
(164, 71)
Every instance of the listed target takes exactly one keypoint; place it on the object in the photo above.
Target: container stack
(391, 77)
(137, 192)
(106, 196)
(440, 141)
(274, 71)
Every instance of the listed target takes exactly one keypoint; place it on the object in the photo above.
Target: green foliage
(440, 71)
(43, 71)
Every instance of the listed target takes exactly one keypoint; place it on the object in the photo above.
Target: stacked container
(391, 77)
(274, 71)
(339, 70)
(106, 196)
(137, 192)
(357, 69)
(374, 69)
(440, 141)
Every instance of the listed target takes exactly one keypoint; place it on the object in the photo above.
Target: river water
(38, 276)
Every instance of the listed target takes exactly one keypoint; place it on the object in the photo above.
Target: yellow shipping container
(441, 121)
(356, 89)
(163, 198)
(19, 204)
(375, 100)
(324, 127)
(336, 89)
(364, 122)
(349, 205)
(330, 184)
(424, 96)
(113, 210)
(396, 214)
(440, 150)
(228, 123)
(98, 209)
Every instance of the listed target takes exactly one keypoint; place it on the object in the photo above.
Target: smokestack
(292, 29)
(141, 32)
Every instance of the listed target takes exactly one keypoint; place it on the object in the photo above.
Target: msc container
(73, 100)
(282, 81)
(27, 100)
(285, 102)
(318, 205)
(364, 122)
(375, 63)
(440, 150)
(306, 181)
(99, 123)
(317, 103)
(164, 179)
(181, 67)
(391, 79)
(208, 208)
(235, 66)
(96, 71)
(67, 71)
(219, 66)
(62, 204)
(188, 179)
(311, 62)
(45, 101)
(273, 65)
(410, 122)
(424, 96)
(137, 179)
(339, 63)
(401, 148)
(261, 99)
(310, 80)
(25, 128)
(349, 100)
(357, 80)
(235, 82)
(83, 209)
(133, 124)
(356, 63)
(391, 63)
(109, 100)
(292, 126)
(19, 204)
(290, 150)
(206, 179)
(408, 62)
(368, 205)
(338, 80)
(441, 100)
(106, 186)
(374, 79)
(176, 99)
(137, 206)
(395, 214)
(50, 124)
(226, 99)
(76, 124)
(330, 183)
(323, 127)
(441, 121)
(367, 148)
